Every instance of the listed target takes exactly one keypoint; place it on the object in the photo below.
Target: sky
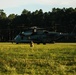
(17, 6)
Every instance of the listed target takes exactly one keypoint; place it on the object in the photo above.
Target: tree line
(58, 20)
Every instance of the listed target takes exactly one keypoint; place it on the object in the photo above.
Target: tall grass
(49, 59)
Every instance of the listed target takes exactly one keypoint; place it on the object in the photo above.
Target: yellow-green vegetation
(49, 59)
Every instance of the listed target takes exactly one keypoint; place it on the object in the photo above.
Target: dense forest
(58, 20)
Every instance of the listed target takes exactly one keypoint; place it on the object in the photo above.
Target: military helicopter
(38, 35)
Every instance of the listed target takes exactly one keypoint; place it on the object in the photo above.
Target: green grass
(49, 59)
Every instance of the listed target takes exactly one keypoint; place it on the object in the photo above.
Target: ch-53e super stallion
(38, 35)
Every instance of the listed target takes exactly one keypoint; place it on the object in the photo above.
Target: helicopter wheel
(52, 42)
(44, 43)
(16, 42)
(38, 43)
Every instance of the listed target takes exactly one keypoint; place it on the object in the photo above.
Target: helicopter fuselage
(36, 37)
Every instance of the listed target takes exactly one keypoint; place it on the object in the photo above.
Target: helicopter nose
(15, 38)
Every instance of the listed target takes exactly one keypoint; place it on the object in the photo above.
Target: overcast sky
(16, 6)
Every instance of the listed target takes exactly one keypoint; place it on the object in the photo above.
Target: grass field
(49, 59)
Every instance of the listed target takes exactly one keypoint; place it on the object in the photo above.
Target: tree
(11, 16)
(25, 11)
(2, 14)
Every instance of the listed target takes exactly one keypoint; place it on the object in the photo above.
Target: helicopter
(39, 35)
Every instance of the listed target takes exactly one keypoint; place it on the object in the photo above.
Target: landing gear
(38, 43)
(52, 42)
(16, 42)
(44, 43)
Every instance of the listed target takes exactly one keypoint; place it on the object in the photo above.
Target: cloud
(66, 3)
(10, 3)
(54, 3)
